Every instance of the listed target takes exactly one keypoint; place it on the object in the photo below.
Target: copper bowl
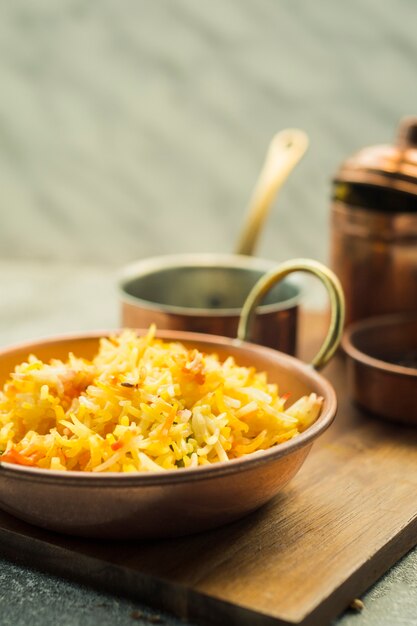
(382, 366)
(175, 502)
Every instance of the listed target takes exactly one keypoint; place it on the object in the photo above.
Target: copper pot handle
(334, 290)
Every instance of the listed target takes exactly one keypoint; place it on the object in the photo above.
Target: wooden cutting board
(347, 516)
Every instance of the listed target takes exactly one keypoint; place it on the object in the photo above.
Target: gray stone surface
(29, 597)
(392, 601)
(137, 128)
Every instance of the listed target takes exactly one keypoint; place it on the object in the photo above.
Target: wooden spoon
(284, 152)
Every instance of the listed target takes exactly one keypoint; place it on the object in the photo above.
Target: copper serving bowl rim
(151, 265)
(182, 475)
(375, 323)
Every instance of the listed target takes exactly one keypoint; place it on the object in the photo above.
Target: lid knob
(392, 166)
(407, 133)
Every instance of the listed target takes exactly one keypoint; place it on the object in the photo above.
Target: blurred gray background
(136, 128)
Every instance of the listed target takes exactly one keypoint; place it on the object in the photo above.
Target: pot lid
(392, 166)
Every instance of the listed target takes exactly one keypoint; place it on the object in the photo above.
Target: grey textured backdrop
(136, 128)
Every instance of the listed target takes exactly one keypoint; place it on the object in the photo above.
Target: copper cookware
(382, 365)
(374, 227)
(205, 293)
(174, 502)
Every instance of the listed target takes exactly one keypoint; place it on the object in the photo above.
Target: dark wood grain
(344, 520)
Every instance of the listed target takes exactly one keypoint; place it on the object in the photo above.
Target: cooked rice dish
(143, 404)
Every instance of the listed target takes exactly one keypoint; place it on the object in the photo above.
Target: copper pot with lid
(374, 227)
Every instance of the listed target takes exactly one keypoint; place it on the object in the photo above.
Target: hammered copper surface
(174, 502)
(382, 366)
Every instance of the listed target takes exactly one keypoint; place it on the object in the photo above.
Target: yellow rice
(142, 404)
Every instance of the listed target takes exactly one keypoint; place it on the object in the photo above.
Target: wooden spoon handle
(284, 152)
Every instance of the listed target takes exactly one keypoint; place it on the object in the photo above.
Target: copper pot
(374, 227)
(205, 293)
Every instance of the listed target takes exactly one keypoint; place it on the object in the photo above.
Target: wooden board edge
(157, 593)
(189, 604)
(362, 579)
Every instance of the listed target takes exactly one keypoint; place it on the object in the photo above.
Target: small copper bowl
(382, 366)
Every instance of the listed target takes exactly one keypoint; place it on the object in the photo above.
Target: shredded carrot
(13, 456)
